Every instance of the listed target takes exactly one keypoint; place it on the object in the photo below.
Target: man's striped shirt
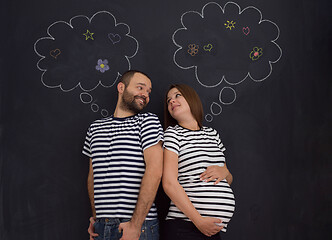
(116, 147)
(196, 151)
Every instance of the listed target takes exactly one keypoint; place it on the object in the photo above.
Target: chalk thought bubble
(85, 52)
(226, 44)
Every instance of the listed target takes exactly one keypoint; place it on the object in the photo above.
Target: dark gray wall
(277, 132)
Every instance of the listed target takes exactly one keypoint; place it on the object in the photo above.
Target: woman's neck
(191, 125)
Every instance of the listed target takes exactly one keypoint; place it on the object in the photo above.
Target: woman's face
(177, 105)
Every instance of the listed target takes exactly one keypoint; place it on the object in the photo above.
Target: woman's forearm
(179, 197)
(229, 178)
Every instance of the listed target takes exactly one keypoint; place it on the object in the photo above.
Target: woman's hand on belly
(208, 225)
(214, 172)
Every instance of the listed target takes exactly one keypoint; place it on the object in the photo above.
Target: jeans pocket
(155, 231)
(99, 229)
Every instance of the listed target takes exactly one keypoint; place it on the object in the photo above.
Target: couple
(127, 162)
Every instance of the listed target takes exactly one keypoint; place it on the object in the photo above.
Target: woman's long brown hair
(193, 101)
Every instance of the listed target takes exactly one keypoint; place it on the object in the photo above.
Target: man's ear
(121, 87)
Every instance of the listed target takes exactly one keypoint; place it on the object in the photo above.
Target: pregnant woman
(195, 176)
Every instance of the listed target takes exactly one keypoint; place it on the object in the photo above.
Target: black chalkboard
(261, 69)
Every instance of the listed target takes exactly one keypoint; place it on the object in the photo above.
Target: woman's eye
(178, 95)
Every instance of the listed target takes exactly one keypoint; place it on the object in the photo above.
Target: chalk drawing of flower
(256, 53)
(102, 65)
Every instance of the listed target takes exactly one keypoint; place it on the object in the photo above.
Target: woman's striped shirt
(116, 147)
(196, 151)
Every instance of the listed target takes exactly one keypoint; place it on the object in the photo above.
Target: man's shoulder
(147, 115)
(101, 122)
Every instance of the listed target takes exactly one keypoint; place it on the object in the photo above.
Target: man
(125, 152)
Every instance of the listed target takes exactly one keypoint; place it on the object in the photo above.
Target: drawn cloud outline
(50, 37)
(223, 77)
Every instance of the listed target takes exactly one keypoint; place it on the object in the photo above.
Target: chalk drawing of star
(230, 25)
(88, 35)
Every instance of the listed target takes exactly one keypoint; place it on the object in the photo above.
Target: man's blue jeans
(108, 229)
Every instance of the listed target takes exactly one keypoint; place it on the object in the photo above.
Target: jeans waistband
(112, 220)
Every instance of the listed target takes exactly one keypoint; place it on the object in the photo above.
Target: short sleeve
(220, 144)
(87, 144)
(151, 131)
(171, 141)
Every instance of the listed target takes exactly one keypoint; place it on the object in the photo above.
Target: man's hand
(129, 231)
(91, 229)
(214, 172)
(208, 226)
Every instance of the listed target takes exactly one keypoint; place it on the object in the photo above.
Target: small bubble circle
(227, 95)
(104, 113)
(94, 107)
(208, 117)
(215, 108)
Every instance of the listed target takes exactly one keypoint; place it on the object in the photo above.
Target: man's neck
(121, 113)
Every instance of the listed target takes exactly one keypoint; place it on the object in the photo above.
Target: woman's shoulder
(210, 130)
(172, 129)
(175, 130)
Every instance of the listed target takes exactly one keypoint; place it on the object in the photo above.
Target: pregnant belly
(211, 200)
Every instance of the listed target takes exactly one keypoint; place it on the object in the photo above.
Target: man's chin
(139, 107)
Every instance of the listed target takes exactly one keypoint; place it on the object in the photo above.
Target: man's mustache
(142, 97)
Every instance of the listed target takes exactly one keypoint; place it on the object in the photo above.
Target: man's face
(135, 96)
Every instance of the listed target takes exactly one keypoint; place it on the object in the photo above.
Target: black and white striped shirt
(116, 147)
(196, 151)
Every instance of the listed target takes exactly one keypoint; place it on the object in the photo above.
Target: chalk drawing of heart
(54, 53)
(115, 38)
(246, 30)
(208, 47)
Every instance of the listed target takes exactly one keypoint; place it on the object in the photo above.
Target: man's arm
(153, 157)
(90, 189)
(92, 202)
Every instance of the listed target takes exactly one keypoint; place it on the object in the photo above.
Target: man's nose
(144, 95)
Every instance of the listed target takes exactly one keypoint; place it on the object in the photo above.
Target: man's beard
(129, 103)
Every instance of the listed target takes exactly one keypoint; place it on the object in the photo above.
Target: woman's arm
(177, 194)
(229, 177)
